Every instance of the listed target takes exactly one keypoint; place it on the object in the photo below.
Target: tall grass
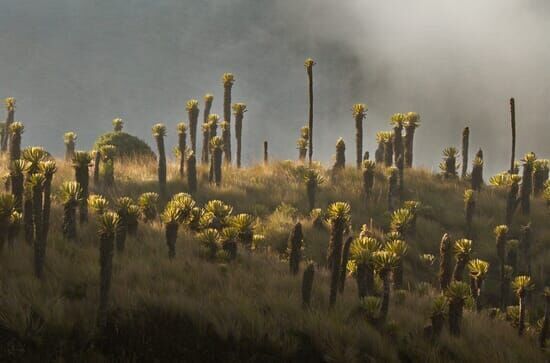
(251, 309)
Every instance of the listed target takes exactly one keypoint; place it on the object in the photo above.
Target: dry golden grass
(250, 309)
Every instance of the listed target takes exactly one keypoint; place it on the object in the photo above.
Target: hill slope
(250, 309)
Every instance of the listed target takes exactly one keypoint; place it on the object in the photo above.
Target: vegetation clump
(127, 146)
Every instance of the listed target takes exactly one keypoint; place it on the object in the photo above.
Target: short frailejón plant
(15, 131)
(385, 262)
(479, 154)
(34, 156)
(182, 147)
(412, 122)
(437, 315)
(393, 192)
(208, 101)
(388, 148)
(133, 220)
(71, 195)
(159, 132)
(17, 178)
(339, 217)
(192, 107)
(205, 142)
(501, 179)
(512, 248)
(456, 293)
(402, 221)
(507, 281)
(379, 153)
(362, 252)
(512, 199)
(15, 221)
(369, 168)
(526, 241)
(108, 225)
(107, 153)
(229, 242)
(216, 148)
(540, 172)
(225, 126)
(317, 218)
(295, 242)
(191, 172)
(97, 163)
(545, 327)
(216, 214)
(118, 124)
(469, 210)
(546, 195)
(171, 217)
(36, 183)
(344, 264)
(449, 165)
(371, 308)
(462, 250)
(501, 233)
(427, 259)
(527, 183)
(359, 113)
(48, 168)
(313, 179)
(302, 143)
(477, 174)
(7, 207)
(415, 208)
(399, 248)
(213, 123)
(307, 284)
(397, 121)
(98, 204)
(81, 163)
(28, 226)
(245, 225)
(522, 286)
(227, 79)
(239, 109)
(478, 271)
(123, 209)
(70, 143)
(210, 243)
(445, 262)
(147, 203)
(10, 108)
(340, 157)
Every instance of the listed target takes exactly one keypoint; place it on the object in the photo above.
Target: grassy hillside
(250, 309)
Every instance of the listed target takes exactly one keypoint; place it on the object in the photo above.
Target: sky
(76, 65)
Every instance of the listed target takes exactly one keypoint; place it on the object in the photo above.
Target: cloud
(75, 65)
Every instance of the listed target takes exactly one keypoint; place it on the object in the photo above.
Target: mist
(76, 65)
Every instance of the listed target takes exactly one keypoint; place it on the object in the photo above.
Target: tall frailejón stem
(309, 63)
(513, 124)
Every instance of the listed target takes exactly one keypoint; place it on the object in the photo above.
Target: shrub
(127, 146)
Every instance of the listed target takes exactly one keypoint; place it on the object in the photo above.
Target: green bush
(126, 145)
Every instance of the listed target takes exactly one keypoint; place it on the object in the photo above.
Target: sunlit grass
(254, 299)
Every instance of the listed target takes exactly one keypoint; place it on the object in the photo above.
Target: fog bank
(75, 65)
